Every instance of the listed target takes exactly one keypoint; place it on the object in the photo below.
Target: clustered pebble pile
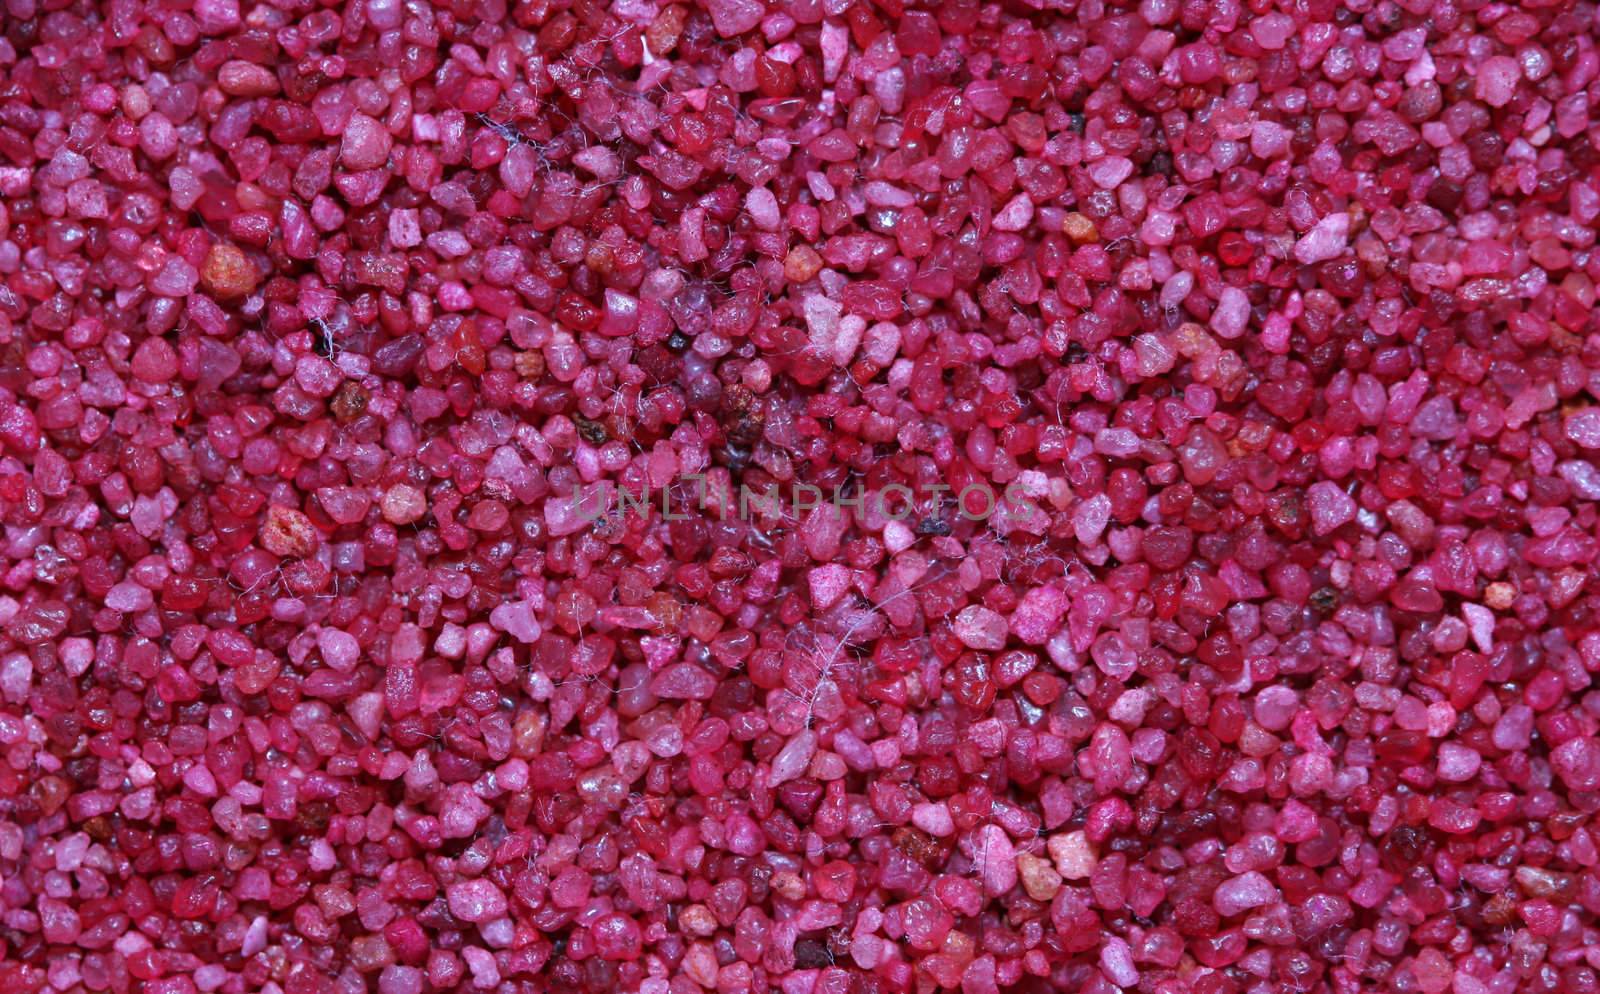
(1281, 316)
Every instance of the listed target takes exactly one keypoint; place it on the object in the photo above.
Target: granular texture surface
(814, 496)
